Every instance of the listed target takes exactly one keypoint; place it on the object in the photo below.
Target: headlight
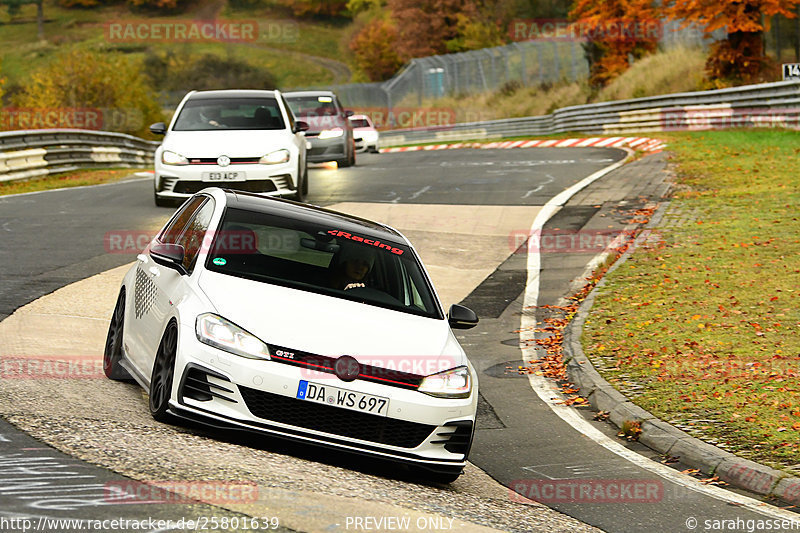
(453, 383)
(172, 158)
(220, 333)
(330, 134)
(276, 157)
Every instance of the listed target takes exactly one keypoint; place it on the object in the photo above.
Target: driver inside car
(350, 267)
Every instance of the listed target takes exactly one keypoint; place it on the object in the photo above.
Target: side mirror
(461, 317)
(168, 255)
(299, 126)
(159, 128)
(348, 113)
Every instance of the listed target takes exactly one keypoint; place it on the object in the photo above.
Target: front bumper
(180, 182)
(322, 150)
(258, 395)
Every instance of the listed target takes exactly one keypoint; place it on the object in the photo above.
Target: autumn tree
(615, 31)
(425, 26)
(375, 50)
(738, 57)
(86, 79)
(316, 8)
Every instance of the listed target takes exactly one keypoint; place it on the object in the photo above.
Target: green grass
(702, 329)
(68, 179)
(21, 52)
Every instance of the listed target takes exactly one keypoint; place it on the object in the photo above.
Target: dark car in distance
(330, 134)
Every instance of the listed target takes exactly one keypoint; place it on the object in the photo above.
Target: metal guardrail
(768, 104)
(32, 153)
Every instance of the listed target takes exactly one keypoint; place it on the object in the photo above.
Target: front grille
(195, 385)
(318, 150)
(191, 187)
(334, 420)
(234, 160)
(322, 363)
(455, 436)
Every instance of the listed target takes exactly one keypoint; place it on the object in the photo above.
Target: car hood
(325, 325)
(233, 143)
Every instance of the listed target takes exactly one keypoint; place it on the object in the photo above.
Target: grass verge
(77, 178)
(701, 329)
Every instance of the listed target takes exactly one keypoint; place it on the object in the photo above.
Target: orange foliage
(425, 26)
(313, 8)
(740, 56)
(375, 50)
(617, 30)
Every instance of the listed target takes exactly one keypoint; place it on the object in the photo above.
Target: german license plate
(356, 401)
(222, 176)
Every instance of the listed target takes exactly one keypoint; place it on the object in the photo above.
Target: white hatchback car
(364, 133)
(266, 315)
(244, 140)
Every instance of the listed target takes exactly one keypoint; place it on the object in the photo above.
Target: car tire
(302, 186)
(112, 354)
(163, 373)
(162, 202)
(353, 155)
(349, 160)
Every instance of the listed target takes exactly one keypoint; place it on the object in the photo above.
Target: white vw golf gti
(299, 322)
(243, 140)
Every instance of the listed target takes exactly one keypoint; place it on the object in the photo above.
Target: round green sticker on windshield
(219, 261)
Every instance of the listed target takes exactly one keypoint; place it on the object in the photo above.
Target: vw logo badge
(346, 368)
(223, 160)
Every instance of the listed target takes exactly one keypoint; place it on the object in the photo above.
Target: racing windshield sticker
(371, 242)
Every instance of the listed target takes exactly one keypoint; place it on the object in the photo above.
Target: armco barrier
(767, 104)
(29, 153)
(32, 153)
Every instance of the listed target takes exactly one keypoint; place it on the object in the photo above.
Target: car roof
(311, 213)
(239, 93)
(309, 93)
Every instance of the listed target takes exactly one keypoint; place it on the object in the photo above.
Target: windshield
(312, 105)
(230, 114)
(360, 123)
(322, 259)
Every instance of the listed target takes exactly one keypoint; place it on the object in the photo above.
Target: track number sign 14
(791, 71)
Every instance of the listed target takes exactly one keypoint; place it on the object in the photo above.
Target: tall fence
(527, 63)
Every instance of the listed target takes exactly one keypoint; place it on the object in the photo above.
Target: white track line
(74, 188)
(550, 395)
